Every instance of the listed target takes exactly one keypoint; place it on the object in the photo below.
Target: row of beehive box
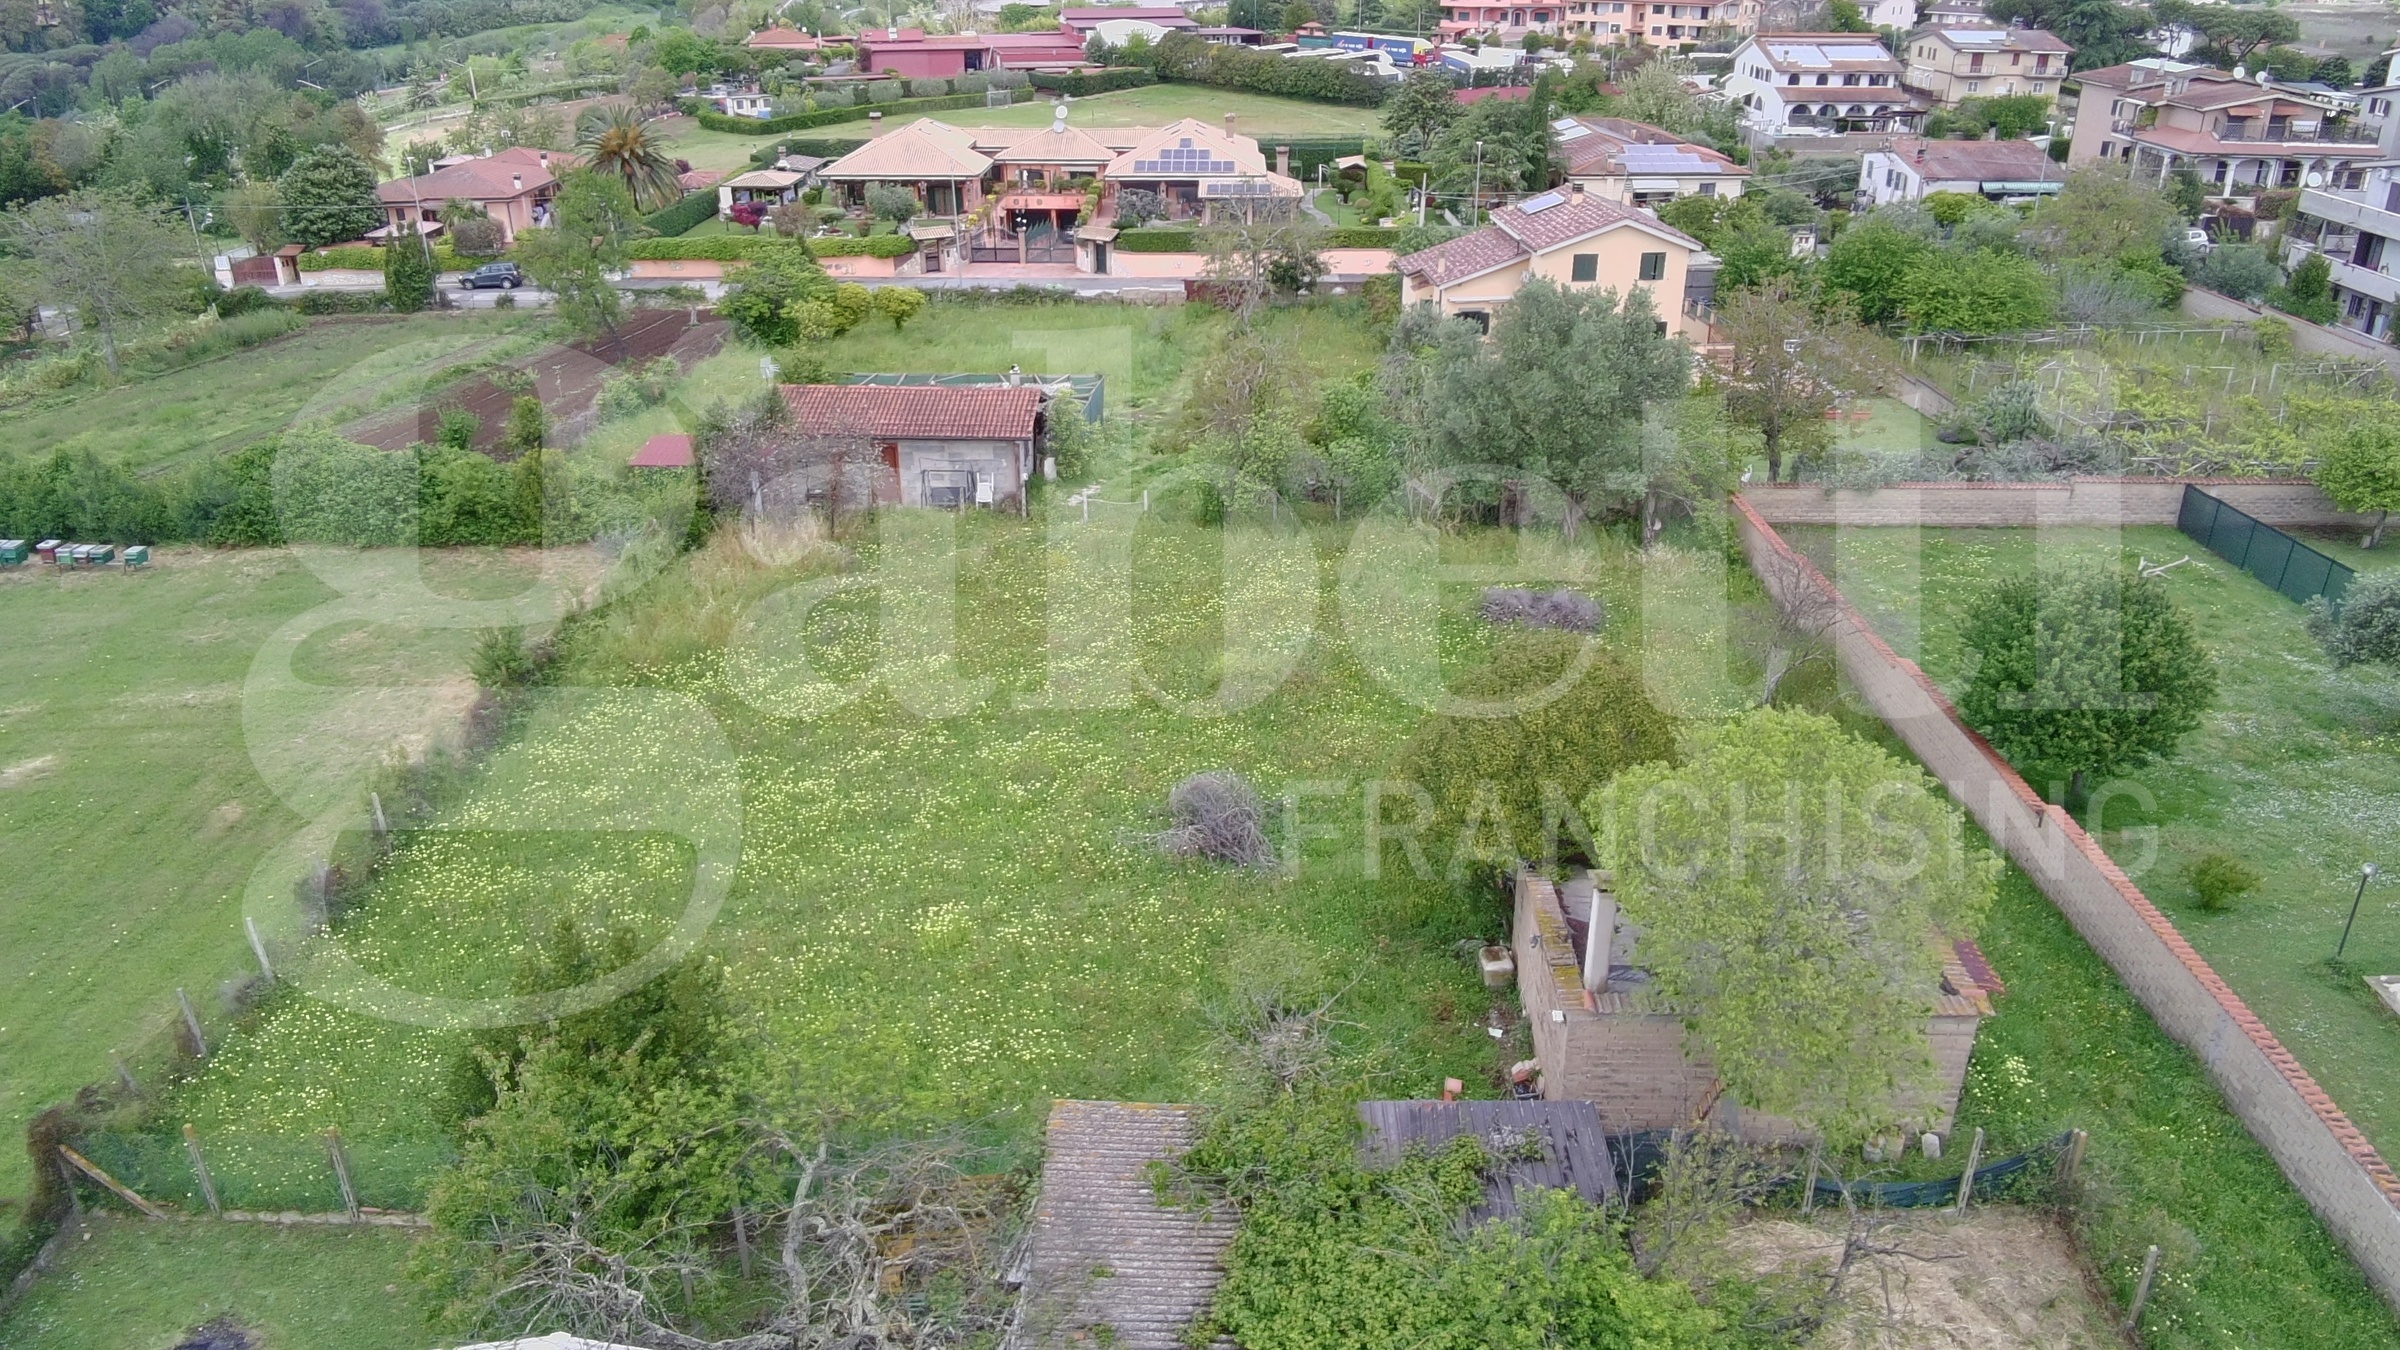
(15, 552)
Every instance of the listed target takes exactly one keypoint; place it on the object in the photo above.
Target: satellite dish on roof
(2315, 180)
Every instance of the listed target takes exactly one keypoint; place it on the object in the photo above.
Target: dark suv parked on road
(500, 274)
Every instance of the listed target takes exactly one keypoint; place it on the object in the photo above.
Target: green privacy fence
(2298, 571)
(263, 1172)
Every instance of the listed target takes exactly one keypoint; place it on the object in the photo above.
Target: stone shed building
(938, 445)
(1612, 1041)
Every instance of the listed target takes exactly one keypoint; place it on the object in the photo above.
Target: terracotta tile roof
(1466, 256)
(491, 178)
(1614, 146)
(693, 180)
(1105, 1250)
(671, 450)
(1053, 146)
(1197, 142)
(1578, 216)
(915, 412)
(922, 149)
(1978, 161)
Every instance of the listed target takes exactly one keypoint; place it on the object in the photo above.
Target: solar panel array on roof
(1975, 37)
(1573, 131)
(1182, 158)
(1798, 54)
(1643, 158)
(1534, 206)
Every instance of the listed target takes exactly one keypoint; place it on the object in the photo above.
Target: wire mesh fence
(269, 1173)
(2299, 572)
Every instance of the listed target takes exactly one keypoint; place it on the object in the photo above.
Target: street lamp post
(2365, 875)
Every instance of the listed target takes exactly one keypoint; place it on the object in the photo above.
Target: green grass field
(2297, 772)
(1261, 115)
(141, 1286)
(138, 801)
(336, 366)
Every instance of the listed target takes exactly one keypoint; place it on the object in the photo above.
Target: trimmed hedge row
(873, 246)
(686, 215)
(1362, 236)
(825, 117)
(369, 258)
(1158, 240)
(821, 147)
(1182, 56)
(1084, 84)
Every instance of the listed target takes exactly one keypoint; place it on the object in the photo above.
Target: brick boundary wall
(2335, 1168)
(2074, 501)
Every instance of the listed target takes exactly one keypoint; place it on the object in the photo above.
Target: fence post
(741, 1240)
(340, 1158)
(1966, 1179)
(1808, 1188)
(2070, 1160)
(192, 1020)
(208, 1184)
(258, 948)
(2141, 1292)
(125, 1075)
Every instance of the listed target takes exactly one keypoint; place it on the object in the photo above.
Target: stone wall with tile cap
(2327, 1159)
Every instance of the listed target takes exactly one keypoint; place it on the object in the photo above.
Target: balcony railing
(2315, 134)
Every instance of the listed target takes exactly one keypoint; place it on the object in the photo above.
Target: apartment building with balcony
(1820, 82)
(2241, 136)
(1952, 63)
(1640, 23)
(2355, 226)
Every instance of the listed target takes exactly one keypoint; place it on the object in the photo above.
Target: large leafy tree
(770, 296)
(1420, 109)
(1504, 787)
(328, 197)
(1793, 883)
(1983, 291)
(2229, 35)
(2083, 673)
(593, 217)
(2103, 214)
(1558, 394)
(108, 256)
(1517, 155)
(2103, 32)
(1787, 360)
(2361, 472)
(1870, 257)
(619, 143)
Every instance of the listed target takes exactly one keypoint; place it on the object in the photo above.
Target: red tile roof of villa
(915, 412)
(513, 171)
(1516, 232)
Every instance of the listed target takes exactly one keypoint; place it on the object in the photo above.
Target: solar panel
(1534, 206)
(1183, 158)
(1573, 131)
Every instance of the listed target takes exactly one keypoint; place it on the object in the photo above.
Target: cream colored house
(1567, 236)
(1953, 63)
(1641, 165)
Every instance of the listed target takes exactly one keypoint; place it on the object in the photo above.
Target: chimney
(1283, 160)
(517, 181)
(874, 125)
(1229, 124)
(545, 158)
(1058, 117)
(1920, 152)
(892, 34)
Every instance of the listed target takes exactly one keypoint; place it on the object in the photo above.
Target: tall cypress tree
(407, 275)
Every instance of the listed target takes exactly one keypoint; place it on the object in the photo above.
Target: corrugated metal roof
(1105, 1252)
(1558, 1145)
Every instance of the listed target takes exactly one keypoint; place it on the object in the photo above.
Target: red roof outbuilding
(915, 412)
(673, 450)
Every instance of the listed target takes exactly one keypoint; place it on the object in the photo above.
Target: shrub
(825, 117)
(2220, 879)
(873, 246)
(884, 91)
(351, 257)
(2365, 626)
(713, 248)
(2243, 271)
(1159, 240)
(344, 302)
(1362, 236)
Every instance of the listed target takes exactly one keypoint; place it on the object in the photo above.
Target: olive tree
(1793, 885)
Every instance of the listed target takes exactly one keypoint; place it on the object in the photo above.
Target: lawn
(139, 799)
(1261, 115)
(334, 367)
(141, 1286)
(2297, 771)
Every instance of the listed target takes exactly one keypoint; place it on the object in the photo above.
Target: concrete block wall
(2326, 1157)
(2286, 502)
(2315, 339)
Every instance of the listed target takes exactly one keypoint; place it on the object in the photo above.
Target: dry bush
(1218, 816)
(1565, 610)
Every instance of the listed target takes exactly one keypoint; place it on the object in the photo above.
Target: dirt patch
(222, 819)
(566, 378)
(1998, 1279)
(19, 774)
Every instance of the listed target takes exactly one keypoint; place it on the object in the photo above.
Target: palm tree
(618, 143)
